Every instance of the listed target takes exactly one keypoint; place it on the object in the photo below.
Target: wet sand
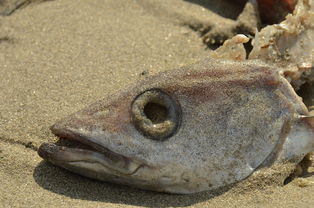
(56, 57)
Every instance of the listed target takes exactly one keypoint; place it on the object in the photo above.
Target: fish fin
(309, 119)
(300, 140)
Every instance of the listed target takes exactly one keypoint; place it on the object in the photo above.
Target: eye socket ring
(156, 114)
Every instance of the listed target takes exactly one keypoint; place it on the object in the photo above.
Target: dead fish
(197, 128)
(204, 126)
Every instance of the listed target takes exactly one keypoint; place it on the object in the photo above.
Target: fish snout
(76, 125)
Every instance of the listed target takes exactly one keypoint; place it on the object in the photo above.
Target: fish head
(197, 128)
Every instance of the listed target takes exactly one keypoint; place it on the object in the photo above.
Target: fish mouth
(80, 151)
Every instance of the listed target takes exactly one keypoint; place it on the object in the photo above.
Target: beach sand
(56, 57)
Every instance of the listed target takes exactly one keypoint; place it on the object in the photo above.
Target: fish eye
(156, 114)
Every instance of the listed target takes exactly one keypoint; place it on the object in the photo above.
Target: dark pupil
(155, 112)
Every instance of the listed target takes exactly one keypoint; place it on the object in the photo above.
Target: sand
(56, 57)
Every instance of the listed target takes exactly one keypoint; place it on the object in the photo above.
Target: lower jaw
(87, 160)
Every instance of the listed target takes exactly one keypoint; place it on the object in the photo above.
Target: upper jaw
(95, 152)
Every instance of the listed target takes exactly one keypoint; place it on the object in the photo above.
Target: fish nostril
(155, 112)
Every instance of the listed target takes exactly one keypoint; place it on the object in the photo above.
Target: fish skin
(236, 117)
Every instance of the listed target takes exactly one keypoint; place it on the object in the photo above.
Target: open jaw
(85, 154)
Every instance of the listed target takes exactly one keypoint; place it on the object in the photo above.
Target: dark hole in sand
(155, 112)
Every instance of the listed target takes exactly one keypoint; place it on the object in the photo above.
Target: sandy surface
(58, 56)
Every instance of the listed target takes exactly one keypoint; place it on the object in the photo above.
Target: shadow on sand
(63, 182)
(228, 8)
